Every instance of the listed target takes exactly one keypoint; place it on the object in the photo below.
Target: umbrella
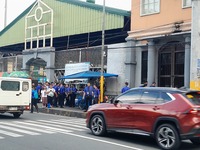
(4, 74)
(88, 74)
(19, 74)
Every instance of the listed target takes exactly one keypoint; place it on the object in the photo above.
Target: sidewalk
(66, 111)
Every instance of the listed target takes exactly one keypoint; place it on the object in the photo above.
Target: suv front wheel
(97, 125)
(167, 137)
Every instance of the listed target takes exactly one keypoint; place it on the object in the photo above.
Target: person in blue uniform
(61, 92)
(39, 88)
(67, 94)
(144, 84)
(153, 84)
(34, 99)
(73, 96)
(125, 88)
(88, 95)
(56, 86)
(96, 94)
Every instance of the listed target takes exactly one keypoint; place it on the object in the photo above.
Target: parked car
(167, 114)
(15, 95)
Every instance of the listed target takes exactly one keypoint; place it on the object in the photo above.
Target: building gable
(71, 17)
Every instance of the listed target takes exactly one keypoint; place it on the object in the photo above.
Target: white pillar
(151, 62)
(130, 62)
(187, 63)
(138, 67)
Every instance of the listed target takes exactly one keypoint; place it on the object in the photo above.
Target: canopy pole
(101, 88)
(102, 54)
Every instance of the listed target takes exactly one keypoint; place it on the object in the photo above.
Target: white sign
(76, 68)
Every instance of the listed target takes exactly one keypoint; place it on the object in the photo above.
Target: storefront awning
(88, 74)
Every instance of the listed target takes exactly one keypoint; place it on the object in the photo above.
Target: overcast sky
(16, 7)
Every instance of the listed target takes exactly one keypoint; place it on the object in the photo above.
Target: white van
(15, 95)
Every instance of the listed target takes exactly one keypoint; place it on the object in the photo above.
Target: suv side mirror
(116, 102)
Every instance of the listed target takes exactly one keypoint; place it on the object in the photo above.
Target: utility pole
(102, 53)
(5, 14)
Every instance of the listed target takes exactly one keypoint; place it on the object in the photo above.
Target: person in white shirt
(44, 96)
(50, 95)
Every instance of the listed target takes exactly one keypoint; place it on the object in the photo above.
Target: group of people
(60, 95)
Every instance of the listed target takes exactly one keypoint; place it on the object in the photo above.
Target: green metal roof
(71, 17)
(98, 7)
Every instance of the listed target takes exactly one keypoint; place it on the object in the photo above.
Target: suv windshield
(194, 97)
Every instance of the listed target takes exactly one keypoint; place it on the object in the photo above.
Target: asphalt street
(53, 132)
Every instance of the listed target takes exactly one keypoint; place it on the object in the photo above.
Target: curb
(65, 112)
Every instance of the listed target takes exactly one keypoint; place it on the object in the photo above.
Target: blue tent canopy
(88, 74)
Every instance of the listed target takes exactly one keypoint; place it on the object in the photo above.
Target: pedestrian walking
(50, 95)
(88, 95)
(96, 94)
(125, 88)
(34, 99)
(44, 96)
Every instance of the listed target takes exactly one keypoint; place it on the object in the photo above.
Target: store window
(150, 7)
(187, 3)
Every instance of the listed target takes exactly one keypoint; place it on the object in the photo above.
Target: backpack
(35, 94)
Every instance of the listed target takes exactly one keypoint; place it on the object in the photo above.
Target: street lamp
(102, 53)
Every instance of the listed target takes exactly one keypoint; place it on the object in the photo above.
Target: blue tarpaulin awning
(88, 74)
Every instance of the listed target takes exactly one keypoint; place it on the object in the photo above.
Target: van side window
(25, 86)
(10, 85)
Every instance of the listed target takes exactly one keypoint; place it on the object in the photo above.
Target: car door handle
(156, 108)
(129, 107)
(18, 94)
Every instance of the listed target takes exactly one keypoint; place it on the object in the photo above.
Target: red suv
(167, 114)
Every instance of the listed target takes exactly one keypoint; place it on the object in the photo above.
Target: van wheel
(97, 125)
(195, 141)
(16, 115)
(167, 137)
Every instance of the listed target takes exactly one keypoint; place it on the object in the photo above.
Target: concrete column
(195, 47)
(187, 62)
(25, 59)
(130, 62)
(138, 67)
(50, 74)
(151, 62)
(50, 65)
